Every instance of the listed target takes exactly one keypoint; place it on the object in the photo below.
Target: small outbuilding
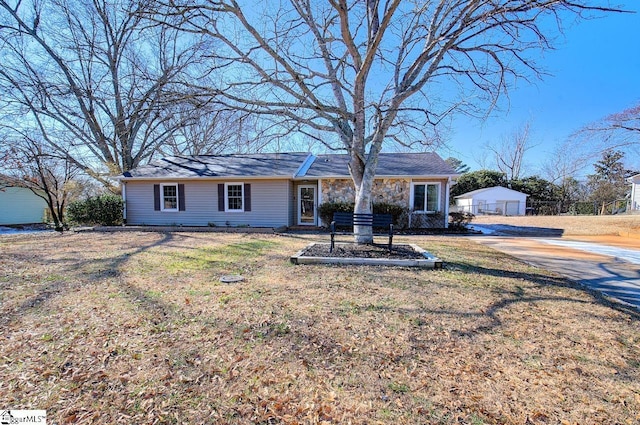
(635, 192)
(495, 200)
(19, 205)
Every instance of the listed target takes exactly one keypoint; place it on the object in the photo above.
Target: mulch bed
(404, 252)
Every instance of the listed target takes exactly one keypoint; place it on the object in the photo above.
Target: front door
(307, 205)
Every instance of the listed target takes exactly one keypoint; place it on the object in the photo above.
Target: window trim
(162, 199)
(426, 198)
(226, 197)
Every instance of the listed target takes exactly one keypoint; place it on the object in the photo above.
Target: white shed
(19, 205)
(635, 192)
(495, 200)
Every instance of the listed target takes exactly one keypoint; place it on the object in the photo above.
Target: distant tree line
(606, 185)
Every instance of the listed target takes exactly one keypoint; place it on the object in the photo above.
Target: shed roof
(488, 189)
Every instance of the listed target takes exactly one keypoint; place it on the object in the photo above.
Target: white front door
(307, 205)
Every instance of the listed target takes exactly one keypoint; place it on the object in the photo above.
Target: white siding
(498, 199)
(270, 205)
(20, 206)
(635, 193)
(465, 204)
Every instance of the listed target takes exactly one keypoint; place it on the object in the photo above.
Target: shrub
(460, 219)
(326, 210)
(396, 211)
(399, 213)
(105, 210)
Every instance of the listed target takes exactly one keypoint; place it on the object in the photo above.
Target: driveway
(610, 264)
(4, 230)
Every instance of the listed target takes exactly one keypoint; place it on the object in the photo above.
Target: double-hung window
(169, 197)
(425, 197)
(234, 196)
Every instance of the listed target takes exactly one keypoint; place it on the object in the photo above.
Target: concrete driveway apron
(608, 264)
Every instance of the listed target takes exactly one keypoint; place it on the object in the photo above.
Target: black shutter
(156, 197)
(221, 197)
(247, 197)
(181, 204)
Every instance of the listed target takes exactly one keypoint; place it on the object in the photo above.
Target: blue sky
(595, 71)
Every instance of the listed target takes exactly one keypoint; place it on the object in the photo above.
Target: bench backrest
(372, 220)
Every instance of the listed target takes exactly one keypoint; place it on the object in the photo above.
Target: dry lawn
(572, 225)
(135, 328)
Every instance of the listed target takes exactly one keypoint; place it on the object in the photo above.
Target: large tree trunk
(363, 174)
(363, 234)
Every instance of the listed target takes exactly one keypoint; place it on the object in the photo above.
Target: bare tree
(30, 163)
(623, 126)
(93, 79)
(211, 131)
(564, 162)
(586, 146)
(627, 121)
(620, 131)
(508, 155)
(354, 74)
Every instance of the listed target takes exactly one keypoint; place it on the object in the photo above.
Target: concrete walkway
(608, 264)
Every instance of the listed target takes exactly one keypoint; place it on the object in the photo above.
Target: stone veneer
(392, 191)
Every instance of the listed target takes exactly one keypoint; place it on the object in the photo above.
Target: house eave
(283, 177)
(386, 176)
(204, 178)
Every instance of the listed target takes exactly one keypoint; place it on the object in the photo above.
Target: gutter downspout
(123, 185)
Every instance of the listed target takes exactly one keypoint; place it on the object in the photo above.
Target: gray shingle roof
(241, 165)
(389, 164)
(287, 165)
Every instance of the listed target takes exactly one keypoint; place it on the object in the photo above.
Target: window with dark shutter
(169, 197)
(247, 197)
(156, 197)
(181, 203)
(234, 197)
(221, 197)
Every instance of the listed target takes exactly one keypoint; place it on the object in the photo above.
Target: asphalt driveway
(610, 264)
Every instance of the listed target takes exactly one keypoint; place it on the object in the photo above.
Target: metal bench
(344, 219)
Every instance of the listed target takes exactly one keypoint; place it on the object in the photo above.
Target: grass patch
(233, 258)
(139, 325)
(210, 258)
(399, 388)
